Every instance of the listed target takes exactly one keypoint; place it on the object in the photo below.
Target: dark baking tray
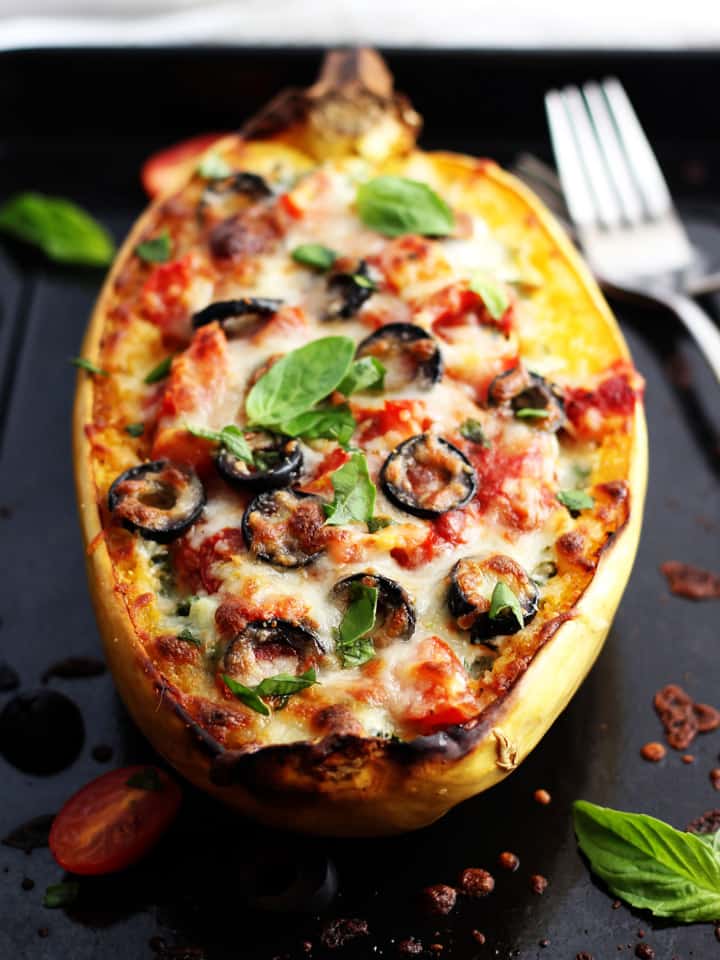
(79, 123)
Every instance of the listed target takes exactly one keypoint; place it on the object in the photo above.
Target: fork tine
(606, 200)
(615, 159)
(569, 163)
(641, 159)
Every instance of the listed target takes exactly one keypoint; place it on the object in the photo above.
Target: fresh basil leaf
(284, 684)
(159, 372)
(531, 413)
(61, 894)
(363, 281)
(492, 295)
(379, 523)
(329, 423)
(60, 228)
(473, 431)
(314, 255)
(575, 500)
(155, 250)
(395, 205)
(246, 695)
(187, 635)
(649, 864)
(364, 373)
(354, 492)
(147, 779)
(88, 365)
(299, 380)
(504, 599)
(213, 167)
(230, 437)
(135, 429)
(353, 646)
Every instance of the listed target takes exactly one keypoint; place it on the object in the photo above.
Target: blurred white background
(456, 23)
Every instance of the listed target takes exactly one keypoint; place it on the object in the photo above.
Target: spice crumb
(102, 753)
(437, 947)
(617, 904)
(478, 937)
(538, 883)
(439, 899)
(509, 861)
(584, 955)
(43, 932)
(715, 778)
(687, 758)
(542, 797)
(653, 752)
(307, 946)
(644, 951)
(410, 947)
(337, 933)
(545, 942)
(27, 883)
(475, 882)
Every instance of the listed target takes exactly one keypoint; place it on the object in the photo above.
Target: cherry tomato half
(111, 823)
(160, 171)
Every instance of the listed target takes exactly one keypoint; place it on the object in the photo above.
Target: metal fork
(620, 204)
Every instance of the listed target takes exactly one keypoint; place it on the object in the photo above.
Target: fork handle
(700, 326)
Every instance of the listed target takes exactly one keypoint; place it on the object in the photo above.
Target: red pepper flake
(410, 947)
(682, 718)
(584, 955)
(715, 778)
(708, 822)
(509, 861)
(439, 899)
(436, 947)
(542, 797)
(475, 882)
(687, 758)
(95, 543)
(538, 883)
(644, 951)
(478, 937)
(653, 752)
(694, 583)
(616, 904)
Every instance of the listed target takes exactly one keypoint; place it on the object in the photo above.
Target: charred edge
(169, 697)
(284, 111)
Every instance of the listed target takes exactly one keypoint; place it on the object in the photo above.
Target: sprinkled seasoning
(439, 899)
(653, 752)
(542, 797)
(509, 861)
(538, 883)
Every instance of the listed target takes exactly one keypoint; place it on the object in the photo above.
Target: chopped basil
(362, 281)
(155, 250)
(473, 431)
(61, 894)
(492, 295)
(299, 380)
(282, 685)
(159, 372)
(61, 229)
(575, 500)
(314, 255)
(650, 864)
(353, 646)
(187, 635)
(135, 429)
(502, 600)
(88, 365)
(364, 373)
(213, 167)
(147, 779)
(396, 205)
(354, 492)
(329, 423)
(582, 473)
(230, 437)
(532, 413)
(379, 523)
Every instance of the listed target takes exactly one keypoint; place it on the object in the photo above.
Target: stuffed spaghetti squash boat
(362, 473)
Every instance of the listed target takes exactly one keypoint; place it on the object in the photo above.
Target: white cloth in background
(429, 23)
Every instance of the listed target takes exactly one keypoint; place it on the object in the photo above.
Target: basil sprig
(472, 430)
(353, 646)
(354, 492)
(649, 864)
(155, 250)
(230, 437)
(396, 205)
(61, 894)
(504, 600)
(187, 636)
(159, 372)
(364, 373)
(135, 429)
(298, 381)
(61, 229)
(282, 685)
(314, 255)
(575, 500)
(329, 423)
(532, 413)
(492, 295)
(82, 363)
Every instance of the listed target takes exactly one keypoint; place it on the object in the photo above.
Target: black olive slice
(472, 582)
(285, 527)
(244, 184)
(525, 391)
(277, 460)
(409, 354)
(395, 616)
(247, 310)
(428, 476)
(270, 644)
(348, 292)
(160, 500)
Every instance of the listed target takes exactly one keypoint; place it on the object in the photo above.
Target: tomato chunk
(110, 824)
(440, 688)
(160, 172)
